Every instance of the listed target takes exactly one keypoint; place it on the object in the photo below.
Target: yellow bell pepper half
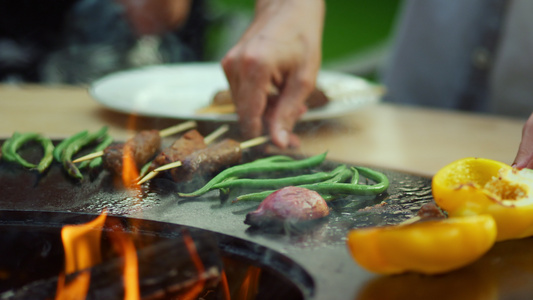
(430, 247)
(474, 186)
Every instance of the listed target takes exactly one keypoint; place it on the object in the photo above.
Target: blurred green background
(352, 27)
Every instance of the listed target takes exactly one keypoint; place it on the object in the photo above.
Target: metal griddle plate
(506, 272)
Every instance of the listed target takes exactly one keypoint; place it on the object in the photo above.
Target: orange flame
(82, 251)
(126, 248)
(225, 285)
(249, 286)
(130, 173)
(199, 285)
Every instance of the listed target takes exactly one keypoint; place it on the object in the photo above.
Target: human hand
(524, 157)
(281, 50)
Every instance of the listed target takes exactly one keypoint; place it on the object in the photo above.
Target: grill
(298, 262)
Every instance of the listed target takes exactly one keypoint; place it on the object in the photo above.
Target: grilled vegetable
(474, 186)
(260, 166)
(289, 204)
(336, 186)
(17, 140)
(428, 247)
(75, 146)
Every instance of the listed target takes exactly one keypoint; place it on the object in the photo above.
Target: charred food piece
(188, 143)
(292, 204)
(205, 162)
(143, 145)
(430, 211)
(317, 98)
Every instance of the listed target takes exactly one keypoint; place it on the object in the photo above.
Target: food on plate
(12, 145)
(143, 146)
(289, 204)
(430, 247)
(222, 102)
(475, 186)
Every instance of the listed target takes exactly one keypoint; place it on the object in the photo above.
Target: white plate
(180, 90)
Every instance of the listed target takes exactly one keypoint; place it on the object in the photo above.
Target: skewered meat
(292, 204)
(188, 143)
(143, 145)
(208, 160)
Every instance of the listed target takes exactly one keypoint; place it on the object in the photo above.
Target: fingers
(249, 81)
(282, 114)
(524, 157)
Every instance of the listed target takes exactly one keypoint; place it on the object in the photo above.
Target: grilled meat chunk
(207, 161)
(188, 143)
(144, 145)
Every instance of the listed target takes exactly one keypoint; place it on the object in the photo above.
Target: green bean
(382, 183)
(74, 147)
(341, 176)
(61, 146)
(258, 167)
(270, 183)
(274, 158)
(331, 189)
(355, 177)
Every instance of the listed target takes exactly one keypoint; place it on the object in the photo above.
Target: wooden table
(408, 139)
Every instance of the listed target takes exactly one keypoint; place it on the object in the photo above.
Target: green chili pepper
(76, 145)
(16, 141)
(61, 146)
(48, 156)
(6, 153)
(144, 169)
(94, 163)
(279, 182)
(261, 166)
(13, 144)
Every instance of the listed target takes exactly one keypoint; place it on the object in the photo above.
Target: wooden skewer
(247, 144)
(410, 221)
(177, 128)
(163, 133)
(207, 140)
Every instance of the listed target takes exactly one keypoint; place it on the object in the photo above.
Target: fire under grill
(296, 262)
(32, 256)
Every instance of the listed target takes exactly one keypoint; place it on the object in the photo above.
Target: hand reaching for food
(276, 50)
